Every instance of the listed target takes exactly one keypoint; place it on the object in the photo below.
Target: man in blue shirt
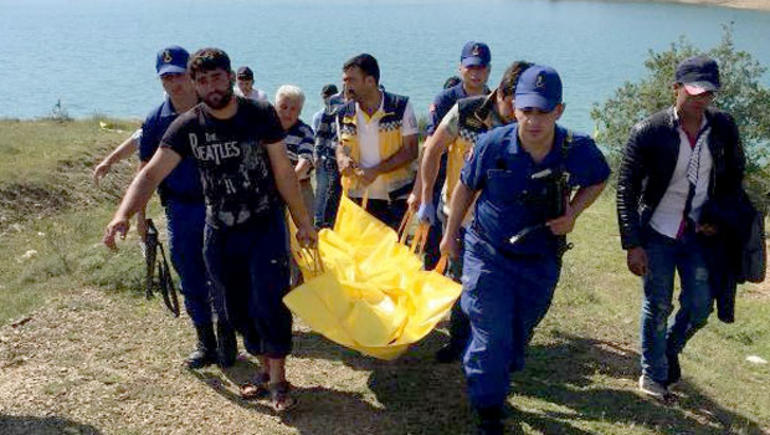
(182, 196)
(475, 66)
(474, 70)
(519, 173)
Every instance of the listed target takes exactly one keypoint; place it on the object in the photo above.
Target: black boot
(206, 351)
(227, 349)
(459, 333)
(489, 421)
(674, 370)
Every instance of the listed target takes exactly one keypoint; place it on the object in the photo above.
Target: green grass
(69, 255)
(31, 151)
(584, 359)
(583, 362)
(52, 215)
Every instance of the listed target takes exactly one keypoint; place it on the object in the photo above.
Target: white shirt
(369, 142)
(667, 217)
(255, 94)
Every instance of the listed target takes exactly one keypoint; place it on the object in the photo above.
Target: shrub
(741, 95)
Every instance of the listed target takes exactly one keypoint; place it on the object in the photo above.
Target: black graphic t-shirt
(234, 166)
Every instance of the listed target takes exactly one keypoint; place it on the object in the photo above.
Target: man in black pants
(237, 145)
(181, 194)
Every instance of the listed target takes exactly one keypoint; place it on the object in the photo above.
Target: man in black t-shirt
(238, 147)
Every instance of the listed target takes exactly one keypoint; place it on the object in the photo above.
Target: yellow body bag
(365, 290)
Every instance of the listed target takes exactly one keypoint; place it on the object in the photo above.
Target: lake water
(98, 56)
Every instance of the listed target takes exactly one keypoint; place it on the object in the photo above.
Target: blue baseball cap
(172, 60)
(539, 87)
(475, 54)
(698, 74)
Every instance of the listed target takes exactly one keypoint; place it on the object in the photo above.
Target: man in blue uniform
(474, 70)
(182, 196)
(450, 143)
(524, 174)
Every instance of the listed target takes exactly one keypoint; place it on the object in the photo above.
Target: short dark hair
(329, 90)
(245, 73)
(452, 81)
(208, 59)
(366, 63)
(511, 77)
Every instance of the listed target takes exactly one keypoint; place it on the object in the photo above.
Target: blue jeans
(185, 241)
(328, 191)
(664, 256)
(504, 299)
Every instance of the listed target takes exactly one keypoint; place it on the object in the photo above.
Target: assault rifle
(164, 283)
(553, 199)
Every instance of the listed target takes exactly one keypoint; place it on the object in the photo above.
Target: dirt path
(92, 362)
(97, 363)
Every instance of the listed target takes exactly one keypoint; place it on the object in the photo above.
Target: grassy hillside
(580, 376)
(52, 215)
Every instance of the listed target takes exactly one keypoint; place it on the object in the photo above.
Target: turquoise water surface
(98, 56)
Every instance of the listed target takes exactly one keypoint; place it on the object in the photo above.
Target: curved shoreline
(759, 5)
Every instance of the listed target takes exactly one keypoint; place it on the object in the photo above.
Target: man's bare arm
(140, 191)
(435, 146)
(122, 151)
(288, 184)
(583, 198)
(462, 198)
(345, 163)
(405, 155)
(303, 167)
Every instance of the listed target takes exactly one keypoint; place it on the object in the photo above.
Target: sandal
(257, 388)
(280, 399)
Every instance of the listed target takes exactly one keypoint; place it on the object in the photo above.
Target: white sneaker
(652, 388)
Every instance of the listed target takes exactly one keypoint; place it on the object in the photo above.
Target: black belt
(167, 195)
